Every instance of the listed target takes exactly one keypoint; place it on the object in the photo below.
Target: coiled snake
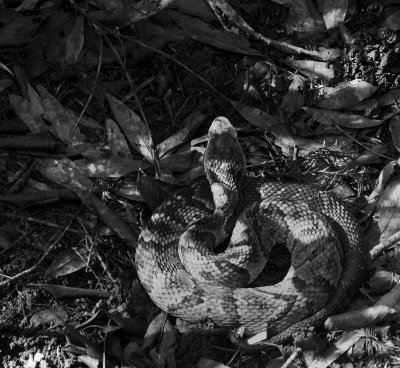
(179, 267)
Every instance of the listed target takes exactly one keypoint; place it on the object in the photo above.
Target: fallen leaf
(129, 191)
(333, 11)
(39, 142)
(392, 21)
(394, 127)
(64, 172)
(343, 119)
(110, 218)
(63, 121)
(294, 99)
(303, 16)
(209, 363)
(75, 41)
(345, 94)
(135, 326)
(197, 8)
(384, 177)
(388, 209)
(164, 352)
(392, 97)
(19, 31)
(5, 83)
(116, 140)
(373, 154)
(334, 352)
(312, 68)
(192, 122)
(27, 113)
(133, 127)
(153, 330)
(113, 167)
(202, 32)
(178, 163)
(28, 198)
(128, 14)
(151, 192)
(66, 263)
(53, 315)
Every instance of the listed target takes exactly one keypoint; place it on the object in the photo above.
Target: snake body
(184, 272)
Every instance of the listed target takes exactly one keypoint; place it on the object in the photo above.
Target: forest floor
(105, 107)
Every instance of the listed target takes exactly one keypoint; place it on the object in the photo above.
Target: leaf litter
(105, 110)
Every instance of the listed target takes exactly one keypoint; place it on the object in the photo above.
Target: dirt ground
(69, 292)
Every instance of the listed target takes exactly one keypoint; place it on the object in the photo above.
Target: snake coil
(179, 267)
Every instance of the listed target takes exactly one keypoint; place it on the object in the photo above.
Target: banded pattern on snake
(177, 262)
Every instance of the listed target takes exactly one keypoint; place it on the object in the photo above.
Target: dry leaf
(345, 94)
(129, 191)
(63, 121)
(135, 326)
(358, 318)
(383, 180)
(64, 172)
(303, 16)
(209, 363)
(113, 167)
(339, 348)
(312, 68)
(151, 192)
(53, 315)
(128, 14)
(391, 97)
(26, 112)
(333, 11)
(5, 83)
(40, 142)
(75, 41)
(192, 122)
(133, 127)
(394, 127)
(343, 119)
(373, 155)
(110, 218)
(197, 8)
(202, 32)
(178, 163)
(65, 263)
(393, 21)
(388, 209)
(28, 198)
(294, 99)
(381, 281)
(19, 31)
(116, 140)
(153, 330)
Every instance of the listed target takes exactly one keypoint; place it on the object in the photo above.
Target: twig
(41, 222)
(283, 46)
(41, 259)
(23, 177)
(128, 77)
(361, 144)
(171, 58)
(292, 357)
(91, 91)
(382, 246)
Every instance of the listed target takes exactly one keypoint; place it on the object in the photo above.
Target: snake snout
(221, 125)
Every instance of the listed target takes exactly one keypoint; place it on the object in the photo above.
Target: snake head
(224, 160)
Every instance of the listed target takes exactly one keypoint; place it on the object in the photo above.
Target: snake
(203, 251)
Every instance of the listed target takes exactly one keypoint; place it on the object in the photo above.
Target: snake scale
(182, 268)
